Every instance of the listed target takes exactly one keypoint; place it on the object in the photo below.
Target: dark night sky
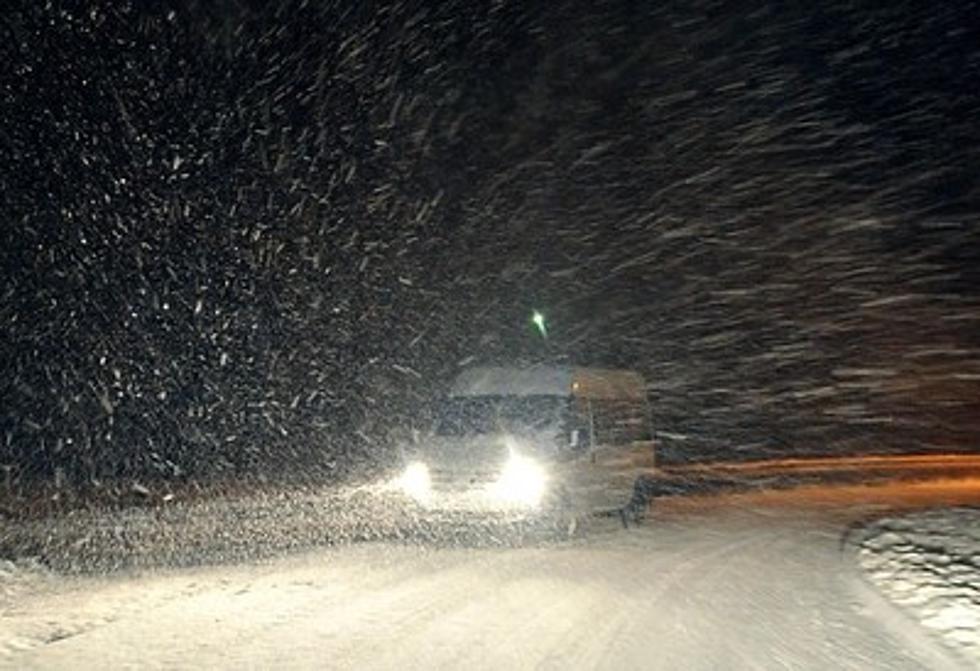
(239, 238)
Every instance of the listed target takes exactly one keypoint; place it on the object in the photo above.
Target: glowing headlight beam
(415, 481)
(521, 482)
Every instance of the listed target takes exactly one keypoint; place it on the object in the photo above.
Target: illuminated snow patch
(929, 564)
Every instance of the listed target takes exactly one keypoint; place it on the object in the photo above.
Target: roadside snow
(20, 576)
(19, 579)
(222, 531)
(929, 563)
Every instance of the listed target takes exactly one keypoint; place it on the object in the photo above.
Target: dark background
(240, 239)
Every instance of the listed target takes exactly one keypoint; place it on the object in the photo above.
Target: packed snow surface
(753, 580)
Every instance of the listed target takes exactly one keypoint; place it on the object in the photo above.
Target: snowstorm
(269, 267)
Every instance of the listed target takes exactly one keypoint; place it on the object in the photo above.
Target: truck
(535, 440)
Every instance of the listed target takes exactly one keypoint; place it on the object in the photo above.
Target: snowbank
(234, 530)
(929, 564)
(219, 530)
(19, 576)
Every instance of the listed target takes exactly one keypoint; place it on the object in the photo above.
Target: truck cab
(534, 439)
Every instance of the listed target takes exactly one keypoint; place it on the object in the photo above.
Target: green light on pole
(538, 320)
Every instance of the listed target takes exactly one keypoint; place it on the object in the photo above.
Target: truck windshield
(488, 414)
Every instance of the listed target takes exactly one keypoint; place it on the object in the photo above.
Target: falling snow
(247, 246)
(257, 242)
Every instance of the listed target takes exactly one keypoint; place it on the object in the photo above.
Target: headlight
(522, 481)
(415, 481)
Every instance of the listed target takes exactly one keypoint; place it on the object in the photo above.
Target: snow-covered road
(748, 581)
